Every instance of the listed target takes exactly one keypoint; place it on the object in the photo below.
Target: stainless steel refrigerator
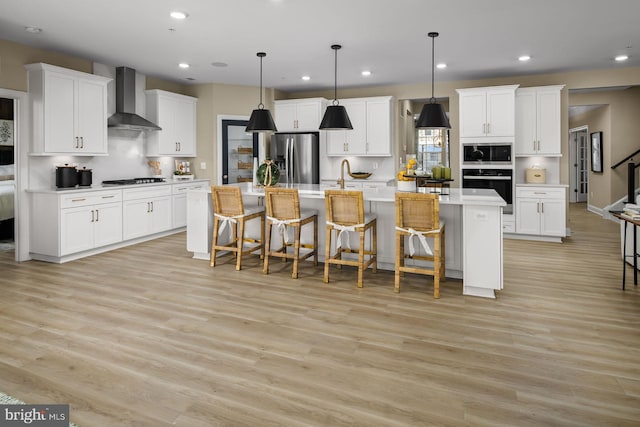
(297, 157)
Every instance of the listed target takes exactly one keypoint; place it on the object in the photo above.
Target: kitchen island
(473, 234)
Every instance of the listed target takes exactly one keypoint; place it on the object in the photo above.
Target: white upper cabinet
(176, 115)
(299, 115)
(538, 121)
(69, 111)
(487, 112)
(371, 133)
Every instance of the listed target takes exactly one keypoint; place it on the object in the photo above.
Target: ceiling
(478, 38)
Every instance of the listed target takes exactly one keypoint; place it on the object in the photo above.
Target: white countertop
(457, 196)
(100, 187)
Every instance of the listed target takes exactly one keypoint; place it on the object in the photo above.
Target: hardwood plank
(148, 336)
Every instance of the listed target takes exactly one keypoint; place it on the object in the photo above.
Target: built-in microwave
(489, 154)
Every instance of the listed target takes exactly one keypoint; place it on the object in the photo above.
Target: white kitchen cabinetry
(538, 121)
(176, 115)
(63, 224)
(69, 111)
(487, 112)
(371, 133)
(541, 211)
(299, 115)
(146, 211)
(179, 201)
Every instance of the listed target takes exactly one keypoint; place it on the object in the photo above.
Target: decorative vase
(268, 173)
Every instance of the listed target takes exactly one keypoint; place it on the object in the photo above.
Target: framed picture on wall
(6, 132)
(596, 152)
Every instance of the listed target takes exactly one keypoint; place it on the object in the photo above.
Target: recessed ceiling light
(306, 78)
(620, 58)
(34, 30)
(366, 73)
(178, 15)
(441, 65)
(183, 65)
(219, 64)
(524, 58)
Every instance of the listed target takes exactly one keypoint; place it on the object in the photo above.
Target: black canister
(66, 176)
(84, 177)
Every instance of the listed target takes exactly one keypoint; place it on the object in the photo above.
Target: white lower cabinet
(64, 224)
(89, 227)
(541, 211)
(146, 211)
(179, 201)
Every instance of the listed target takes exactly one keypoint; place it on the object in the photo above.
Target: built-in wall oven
(500, 180)
(486, 154)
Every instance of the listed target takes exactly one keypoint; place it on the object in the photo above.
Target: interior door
(578, 155)
(582, 173)
(238, 150)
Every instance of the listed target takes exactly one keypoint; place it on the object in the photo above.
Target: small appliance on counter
(85, 177)
(66, 176)
(536, 175)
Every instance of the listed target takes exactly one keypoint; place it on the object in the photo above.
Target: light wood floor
(146, 336)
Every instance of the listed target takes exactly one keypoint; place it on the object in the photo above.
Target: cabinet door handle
(151, 206)
(148, 207)
(97, 215)
(92, 216)
(488, 128)
(179, 146)
(77, 142)
(82, 142)
(537, 207)
(541, 207)
(484, 127)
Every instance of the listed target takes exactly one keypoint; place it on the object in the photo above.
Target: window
(433, 148)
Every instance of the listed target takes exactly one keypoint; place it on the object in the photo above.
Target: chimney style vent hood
(125, 116)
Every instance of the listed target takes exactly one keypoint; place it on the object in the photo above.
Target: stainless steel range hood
(125, 116)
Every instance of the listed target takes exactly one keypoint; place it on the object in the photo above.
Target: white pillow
(6, 172)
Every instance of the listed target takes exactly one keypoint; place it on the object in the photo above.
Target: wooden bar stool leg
(267, 249)
(315, 241)
(214, 241)
(327, 256)
(240, 245)
(296, 251)
(361, 259)
(399, 256)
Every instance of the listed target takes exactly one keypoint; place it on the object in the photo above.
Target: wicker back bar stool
(418, 216)
(345, 214)
(283, 212)
(229, 212)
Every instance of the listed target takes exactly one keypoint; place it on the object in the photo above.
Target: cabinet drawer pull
(108, 197)
(78, 200)
(539, 192)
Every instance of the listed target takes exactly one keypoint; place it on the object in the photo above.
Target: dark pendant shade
(261, 121)
(336, 118)
(433, 117)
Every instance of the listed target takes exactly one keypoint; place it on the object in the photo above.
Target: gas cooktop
(131, 181)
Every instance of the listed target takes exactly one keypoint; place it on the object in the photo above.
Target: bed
(7, 191)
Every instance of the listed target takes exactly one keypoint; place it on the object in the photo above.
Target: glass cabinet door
(238, 150)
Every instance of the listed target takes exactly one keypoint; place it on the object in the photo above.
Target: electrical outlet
(203, 166)
(375, 165)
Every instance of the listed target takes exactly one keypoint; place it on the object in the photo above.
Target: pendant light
(261, 120)
(335, 117)
(433, 115)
